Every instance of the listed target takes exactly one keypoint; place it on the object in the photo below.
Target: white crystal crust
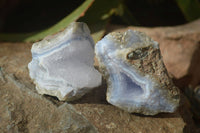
(62, 64)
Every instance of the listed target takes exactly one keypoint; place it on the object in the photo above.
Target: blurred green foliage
(189, 8)
(98, 13)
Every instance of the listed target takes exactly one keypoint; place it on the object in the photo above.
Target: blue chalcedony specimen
(62, 64)
(136, 76)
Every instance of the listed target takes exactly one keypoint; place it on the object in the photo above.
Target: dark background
(33, 15)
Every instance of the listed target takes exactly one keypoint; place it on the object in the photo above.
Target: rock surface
(22, 110)
(14, 58)
(109, 119)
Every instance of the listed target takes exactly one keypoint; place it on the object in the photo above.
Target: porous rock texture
(136, 76)
(180, 48)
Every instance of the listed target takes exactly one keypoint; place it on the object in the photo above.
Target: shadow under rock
(193, 76)
(186, 114)
(96, 96)
(160, 115)
(192, 79)
(54, 100)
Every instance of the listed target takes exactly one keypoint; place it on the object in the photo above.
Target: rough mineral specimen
(136, 76)
(62, 64)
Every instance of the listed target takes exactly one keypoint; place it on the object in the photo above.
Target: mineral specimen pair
(62, 66)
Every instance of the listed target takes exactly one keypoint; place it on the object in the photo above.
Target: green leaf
(32, 37)
(126, 15)
(189, 8)
(98, 10)
(98, 30)
(95, 16)
(98, 15)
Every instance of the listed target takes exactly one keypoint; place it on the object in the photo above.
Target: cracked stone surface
(22, 110)
(31, 109)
